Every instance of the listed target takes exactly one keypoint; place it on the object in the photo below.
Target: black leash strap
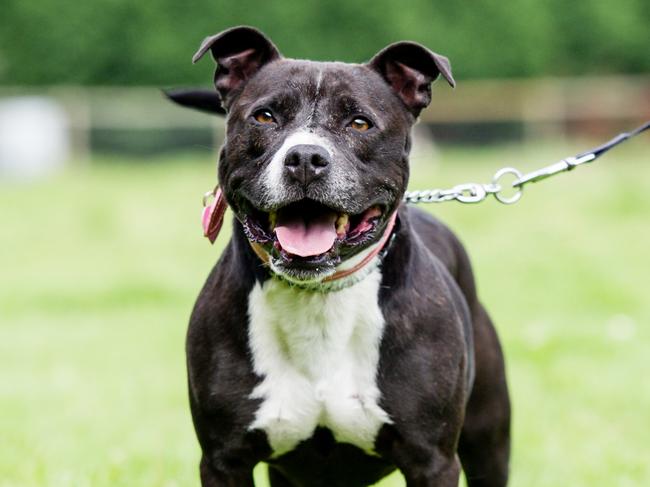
(600, 150)
(572, 162)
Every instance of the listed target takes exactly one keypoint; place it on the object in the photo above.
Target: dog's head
(316, 153)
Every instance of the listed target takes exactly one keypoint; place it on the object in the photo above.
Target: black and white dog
(339, 337)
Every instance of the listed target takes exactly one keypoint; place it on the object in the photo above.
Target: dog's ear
(239, 52)
(200, 99)
(410, 68)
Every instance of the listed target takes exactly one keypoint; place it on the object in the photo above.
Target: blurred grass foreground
(100, 266)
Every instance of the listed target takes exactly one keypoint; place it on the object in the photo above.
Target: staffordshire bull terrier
(339, 337)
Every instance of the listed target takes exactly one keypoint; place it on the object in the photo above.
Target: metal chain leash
(475, 192)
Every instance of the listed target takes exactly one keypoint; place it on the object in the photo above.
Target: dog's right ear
(239, 52)
(200, 99)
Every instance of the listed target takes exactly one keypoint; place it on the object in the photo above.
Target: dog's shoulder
(445, 245)
(229, 283)
(436, 236)
(220, 309)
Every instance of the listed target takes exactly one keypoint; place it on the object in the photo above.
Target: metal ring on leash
(495, 181)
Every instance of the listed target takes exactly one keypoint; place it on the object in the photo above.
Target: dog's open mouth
(308, 232)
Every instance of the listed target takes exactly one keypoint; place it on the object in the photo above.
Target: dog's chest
(317, 354)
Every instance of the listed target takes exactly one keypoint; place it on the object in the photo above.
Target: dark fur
(441, 372)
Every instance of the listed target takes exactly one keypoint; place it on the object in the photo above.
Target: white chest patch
(318, 356)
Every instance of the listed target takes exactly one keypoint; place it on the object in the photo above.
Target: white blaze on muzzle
(273, 177)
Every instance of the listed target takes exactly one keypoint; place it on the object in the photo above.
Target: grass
(100, 266)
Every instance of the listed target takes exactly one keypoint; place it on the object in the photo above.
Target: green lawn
(99, 268)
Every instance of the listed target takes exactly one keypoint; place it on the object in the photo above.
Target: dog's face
(315, 160)
(316, 154)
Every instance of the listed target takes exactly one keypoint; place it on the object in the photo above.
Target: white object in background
(34, 137)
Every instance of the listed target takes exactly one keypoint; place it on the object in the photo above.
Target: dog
(339, 337)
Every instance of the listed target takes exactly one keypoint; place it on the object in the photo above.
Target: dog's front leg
(440, 472)
(211, 477)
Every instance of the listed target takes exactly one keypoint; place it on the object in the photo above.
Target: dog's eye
(360, 124)
(264, 116)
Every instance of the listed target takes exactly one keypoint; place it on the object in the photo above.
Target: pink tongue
(306, 239)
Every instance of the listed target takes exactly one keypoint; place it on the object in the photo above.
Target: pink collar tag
(212, 217)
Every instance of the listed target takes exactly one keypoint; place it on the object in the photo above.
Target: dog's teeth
(342, 224)
(273, 217)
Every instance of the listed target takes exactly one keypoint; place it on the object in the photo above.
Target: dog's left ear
(239, 52)
(410, 68)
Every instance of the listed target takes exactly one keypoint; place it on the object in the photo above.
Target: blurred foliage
(110, 42)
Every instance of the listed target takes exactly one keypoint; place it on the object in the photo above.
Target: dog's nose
(304, 163)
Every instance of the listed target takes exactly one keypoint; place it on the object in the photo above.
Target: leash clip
(208, 196)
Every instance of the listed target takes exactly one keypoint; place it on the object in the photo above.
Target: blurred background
(101, 254)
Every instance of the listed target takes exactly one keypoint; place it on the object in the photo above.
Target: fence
(547, 107)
